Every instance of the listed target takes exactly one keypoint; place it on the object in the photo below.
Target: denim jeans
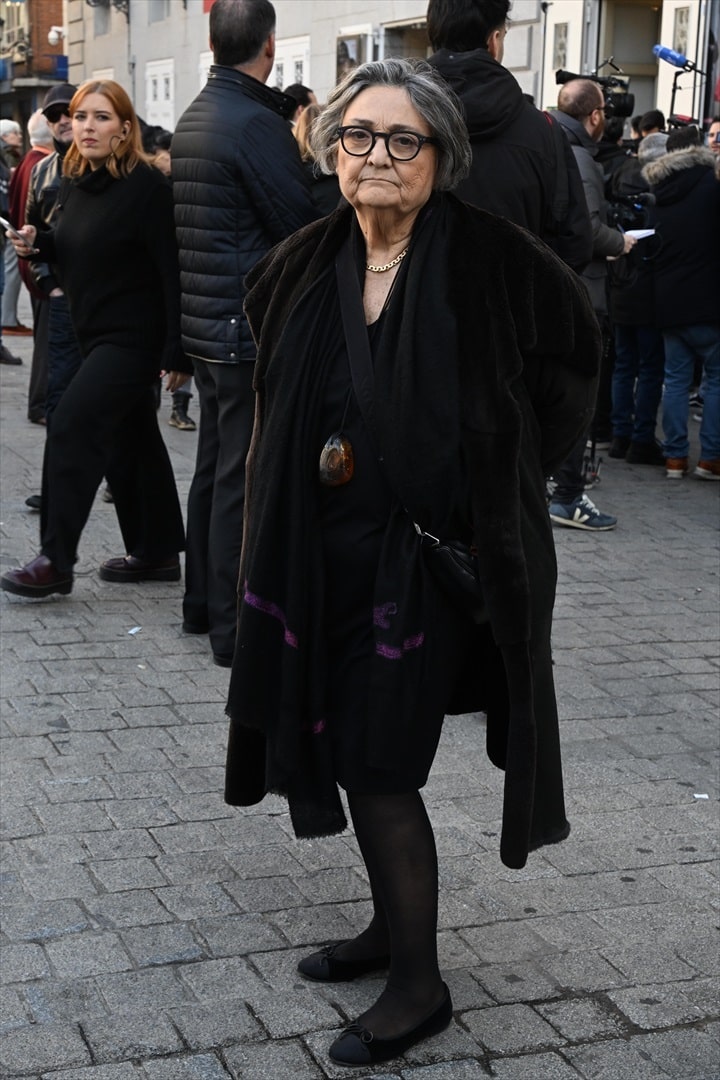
(637, 382)
(63, 351)
(683, 345)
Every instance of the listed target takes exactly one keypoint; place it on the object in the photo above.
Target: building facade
(158, 49)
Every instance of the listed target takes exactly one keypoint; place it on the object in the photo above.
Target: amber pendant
(336, 461)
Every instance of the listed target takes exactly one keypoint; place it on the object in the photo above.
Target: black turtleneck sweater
(115, 252)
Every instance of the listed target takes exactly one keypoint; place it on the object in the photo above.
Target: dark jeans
(63, 351)
(37, 390)
(637, 382)
(217, 498)
(107, 414)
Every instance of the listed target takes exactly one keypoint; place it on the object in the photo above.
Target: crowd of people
(408, 314)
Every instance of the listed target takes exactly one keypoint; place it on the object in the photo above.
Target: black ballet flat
(358, 1046)
(324, 966)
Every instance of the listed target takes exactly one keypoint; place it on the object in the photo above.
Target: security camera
(55, 35)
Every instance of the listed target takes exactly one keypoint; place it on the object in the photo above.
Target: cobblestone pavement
(151, 933)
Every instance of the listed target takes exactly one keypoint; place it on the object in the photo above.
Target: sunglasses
(56, 113)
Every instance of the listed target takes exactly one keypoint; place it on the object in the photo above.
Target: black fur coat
(527, 347)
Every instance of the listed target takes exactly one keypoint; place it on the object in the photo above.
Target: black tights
(397, 844)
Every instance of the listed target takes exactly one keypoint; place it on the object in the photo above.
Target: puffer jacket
(239, 188)
(686, 218)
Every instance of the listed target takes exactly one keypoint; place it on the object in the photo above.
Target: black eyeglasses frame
(385, 136)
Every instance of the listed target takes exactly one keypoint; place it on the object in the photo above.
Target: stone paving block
(519, 982)
(44, 921)
(582, 970)
(508, 1029)
(76, 817)
(125, 1071)
(253, 831)
(21, 963)
(195, 866)
(277, 861)
(204, 778)
(139, 785)
(314, 925)
(140, 813)
(138, 907)
(267, 894)
(203, 806)
(152, 988)
(121, 844)
(657, 1006)
(89, 954)
(76, 789)
(208, 980)
(51, 1047)
(57, 1000)
(175, 839)
(192, 1067)
(295, 1012)
(237, 935)
(223, 1024)
(205, 900)
(260, 1061)
(507, 942)
(64, 881)
(13, 1013)
(616, 1059)
(534, 1067)
(158, 945)
(583, 1021)
(18, 821)
(131, 1034)
(118, 875)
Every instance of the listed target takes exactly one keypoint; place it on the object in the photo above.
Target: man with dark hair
(581, 114)
(239, 188)
(303, 96)
(522, 167)
(651, 122)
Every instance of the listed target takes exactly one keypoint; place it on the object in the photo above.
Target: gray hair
(438, 105)
(38, 131)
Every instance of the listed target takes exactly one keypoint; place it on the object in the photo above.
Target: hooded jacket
(606, 241)
(519, 164)
(686, 218)
(239, 188)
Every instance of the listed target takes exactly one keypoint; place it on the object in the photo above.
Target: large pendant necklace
(387, 266)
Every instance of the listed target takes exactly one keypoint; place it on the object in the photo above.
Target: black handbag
(454, 566)
(452, 563)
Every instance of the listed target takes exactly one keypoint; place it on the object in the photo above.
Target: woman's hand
(23, 240)
(176, 379)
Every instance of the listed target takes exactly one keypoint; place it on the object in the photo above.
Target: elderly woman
(419, 361)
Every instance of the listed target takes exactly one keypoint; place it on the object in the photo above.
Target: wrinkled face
(60, 124)
(97, 129)
(377, 182)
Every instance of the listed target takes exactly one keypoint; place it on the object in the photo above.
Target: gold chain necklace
(387, 266)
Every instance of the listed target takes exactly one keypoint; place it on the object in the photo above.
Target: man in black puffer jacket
(239, 189)
(522, 167)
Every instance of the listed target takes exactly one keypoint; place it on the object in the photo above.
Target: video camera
(618, 101)
(630, 211)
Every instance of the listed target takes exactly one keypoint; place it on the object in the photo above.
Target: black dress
(353, 520)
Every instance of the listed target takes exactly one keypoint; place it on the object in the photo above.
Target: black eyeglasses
(56, 113)
(400, 145)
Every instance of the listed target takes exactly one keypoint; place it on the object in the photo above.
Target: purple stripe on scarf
(380, 615)
(318, 727)
(392, 652)
(269, 608)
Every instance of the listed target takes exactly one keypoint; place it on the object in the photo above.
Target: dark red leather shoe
(129, 568)
(37, 578)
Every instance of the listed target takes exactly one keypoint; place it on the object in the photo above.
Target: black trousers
(37, 389)
(216, 500)
(107, 413)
